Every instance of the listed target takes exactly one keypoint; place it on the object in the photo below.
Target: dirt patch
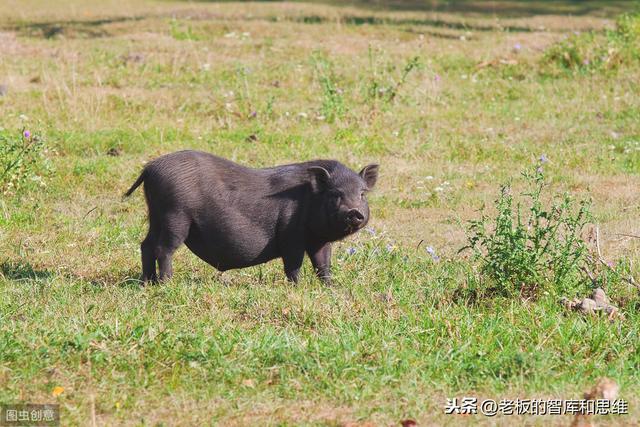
(10, 44)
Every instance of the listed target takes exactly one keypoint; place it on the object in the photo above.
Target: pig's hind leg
(173, 233)
(147, 249)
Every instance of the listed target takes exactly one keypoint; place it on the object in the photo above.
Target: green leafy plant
(333, 105)
(530, 245)
(22, 162)
(181, 33)
(591, 51)
(384, 83)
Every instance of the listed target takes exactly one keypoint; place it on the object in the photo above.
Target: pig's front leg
(320, 255)
(292, 260)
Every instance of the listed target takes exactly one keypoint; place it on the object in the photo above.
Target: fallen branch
(628, 235)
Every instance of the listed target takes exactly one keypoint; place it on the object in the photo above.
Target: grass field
(451, 98)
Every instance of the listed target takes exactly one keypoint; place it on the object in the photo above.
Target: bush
(385, 81)
(333, 104)
(22, 162)
(529, 247)
(591, 51)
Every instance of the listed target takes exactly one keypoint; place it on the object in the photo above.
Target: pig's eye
(362, 196)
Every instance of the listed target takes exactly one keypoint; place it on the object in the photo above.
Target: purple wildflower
(370, 230)
(437, 78)
(543, 159)
(389, 247)
(351, 250)
(433, 254)
(517, 46)
(26, 134)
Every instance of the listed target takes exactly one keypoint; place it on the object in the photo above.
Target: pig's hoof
(146, 281)
(327, 282)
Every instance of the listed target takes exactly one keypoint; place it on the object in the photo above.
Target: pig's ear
(320, 176)
(370, 175)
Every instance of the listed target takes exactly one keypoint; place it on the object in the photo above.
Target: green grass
(443, 100)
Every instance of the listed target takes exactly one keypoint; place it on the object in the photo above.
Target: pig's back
(232, 210)
(190, 179)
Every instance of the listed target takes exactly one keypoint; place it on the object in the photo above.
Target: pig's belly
(226, 250)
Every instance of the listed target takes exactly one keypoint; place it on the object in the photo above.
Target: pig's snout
(355, 218)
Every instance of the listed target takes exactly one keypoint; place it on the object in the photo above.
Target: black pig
(232, 216)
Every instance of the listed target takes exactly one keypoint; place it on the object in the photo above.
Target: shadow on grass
(24, 271)
(71, 28)
(94, 28)
(436, 23)
(503, 8)
(487, 9)
(499, 8)
(18, 271)
(433, 34)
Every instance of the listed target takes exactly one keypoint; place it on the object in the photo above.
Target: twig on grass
(90, 210)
